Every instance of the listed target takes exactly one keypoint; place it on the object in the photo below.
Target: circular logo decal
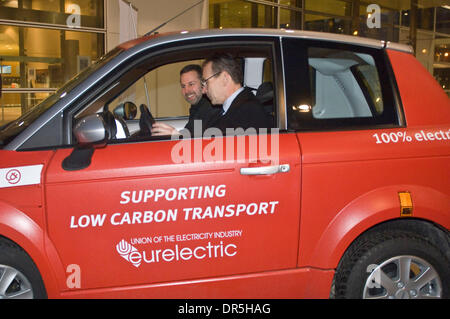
(13, 176)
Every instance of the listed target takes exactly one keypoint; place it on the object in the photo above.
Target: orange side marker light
(406, 205)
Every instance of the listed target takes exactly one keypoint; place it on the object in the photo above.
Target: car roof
(160, 38)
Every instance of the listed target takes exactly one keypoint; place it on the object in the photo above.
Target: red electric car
(347, 196)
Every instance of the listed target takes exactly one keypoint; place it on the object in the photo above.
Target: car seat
(265, 95)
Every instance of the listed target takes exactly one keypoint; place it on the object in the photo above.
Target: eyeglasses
(205, 81)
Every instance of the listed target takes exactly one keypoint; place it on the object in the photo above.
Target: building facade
(423, 24)
(44, 43)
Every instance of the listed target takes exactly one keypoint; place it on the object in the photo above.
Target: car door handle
(265, 170)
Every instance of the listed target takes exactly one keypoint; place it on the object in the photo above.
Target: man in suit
(192, 91)
(222, 79)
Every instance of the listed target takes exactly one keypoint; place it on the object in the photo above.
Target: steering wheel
(111, 127)
(146, 121)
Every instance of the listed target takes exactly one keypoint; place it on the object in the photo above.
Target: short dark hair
(226, 62)
(192, 67)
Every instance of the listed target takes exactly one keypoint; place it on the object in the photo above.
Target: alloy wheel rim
(14, 284)
(403, 277)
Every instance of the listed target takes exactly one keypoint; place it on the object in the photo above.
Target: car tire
(19, 276)
(399, 260)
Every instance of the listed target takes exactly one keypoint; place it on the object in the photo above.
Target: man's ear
(226, 77)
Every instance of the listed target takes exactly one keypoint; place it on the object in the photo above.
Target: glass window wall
(423, 24)
(11, 104)
(441, 65)
(332, 7)
(241, 14)
(327, 24)
(39, 51)
(56, 12)
(44, 58)
(443, 19)
(290, 19)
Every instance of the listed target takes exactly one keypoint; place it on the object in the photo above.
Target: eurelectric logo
(129, 253)
(177, 253)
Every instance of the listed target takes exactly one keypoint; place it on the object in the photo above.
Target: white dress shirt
(226, 105)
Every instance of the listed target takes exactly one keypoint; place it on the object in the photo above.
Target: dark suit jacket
(245, 111)
(203, 111)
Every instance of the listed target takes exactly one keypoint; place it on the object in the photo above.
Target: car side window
(338, 87)
(344, 84)
(155, 84)
(158, 89)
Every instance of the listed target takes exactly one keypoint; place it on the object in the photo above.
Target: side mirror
(127, 110)
(89, 131)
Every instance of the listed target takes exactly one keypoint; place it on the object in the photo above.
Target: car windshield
(14, 128)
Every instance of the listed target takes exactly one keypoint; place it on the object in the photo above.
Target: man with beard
(192, 91)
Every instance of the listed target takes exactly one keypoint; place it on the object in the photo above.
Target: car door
(153, 211)
(347, 99)
(133, 216)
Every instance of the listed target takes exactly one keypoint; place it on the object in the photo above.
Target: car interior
(344, 84)
(156, 96)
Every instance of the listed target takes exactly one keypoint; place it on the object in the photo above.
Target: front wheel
(19, 276)
(395, 263)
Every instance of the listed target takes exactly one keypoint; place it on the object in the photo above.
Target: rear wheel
(401, 260)
(403, 277)
(19, 276)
